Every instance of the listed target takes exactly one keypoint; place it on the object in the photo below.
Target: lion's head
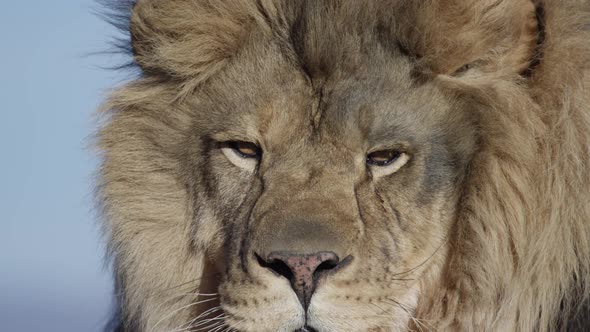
(349, 166)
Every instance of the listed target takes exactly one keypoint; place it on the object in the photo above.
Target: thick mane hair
(520, 250)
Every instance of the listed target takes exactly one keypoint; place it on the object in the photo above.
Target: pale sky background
(52, 275)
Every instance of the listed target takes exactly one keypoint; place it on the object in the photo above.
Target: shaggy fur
(486, 228)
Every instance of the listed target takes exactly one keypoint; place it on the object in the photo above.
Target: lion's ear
(494, 35)
(187, 39)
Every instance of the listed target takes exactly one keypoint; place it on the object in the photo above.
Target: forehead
(371, 101)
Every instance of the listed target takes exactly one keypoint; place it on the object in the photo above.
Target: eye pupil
(246, 149)
(382, 158)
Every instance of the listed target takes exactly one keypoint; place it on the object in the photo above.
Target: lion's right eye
(242, 154)
(245, 149)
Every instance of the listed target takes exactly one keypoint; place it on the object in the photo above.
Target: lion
(334, 166)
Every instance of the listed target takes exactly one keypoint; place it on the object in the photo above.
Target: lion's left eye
(243, 154)
(386, 162)
(382, 158)
(245, 149)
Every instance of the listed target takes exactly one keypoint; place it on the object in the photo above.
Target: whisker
(223, 326)
(418, 322)
(426, 260)
(214, 325)
(196, 321)
(191, 294)
(187, 283)
(204, 314)
(210, 320)
(210, 323)
(180, 309)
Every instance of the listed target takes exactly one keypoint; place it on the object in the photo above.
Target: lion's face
(315, 166)
(330, 207)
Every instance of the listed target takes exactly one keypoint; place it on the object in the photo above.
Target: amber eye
(245, 149)
(382, 158)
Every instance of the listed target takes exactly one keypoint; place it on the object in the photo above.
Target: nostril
(325, 267)
(333, 266)
(277, 266)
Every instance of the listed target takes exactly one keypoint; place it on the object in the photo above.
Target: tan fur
(499, 240)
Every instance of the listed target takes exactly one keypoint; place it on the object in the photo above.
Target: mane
(522, 245)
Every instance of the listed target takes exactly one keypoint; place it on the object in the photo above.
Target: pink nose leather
(304, 268)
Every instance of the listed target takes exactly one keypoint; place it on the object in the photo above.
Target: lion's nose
(303, 270)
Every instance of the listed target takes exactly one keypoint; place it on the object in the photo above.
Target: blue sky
(52, 276)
